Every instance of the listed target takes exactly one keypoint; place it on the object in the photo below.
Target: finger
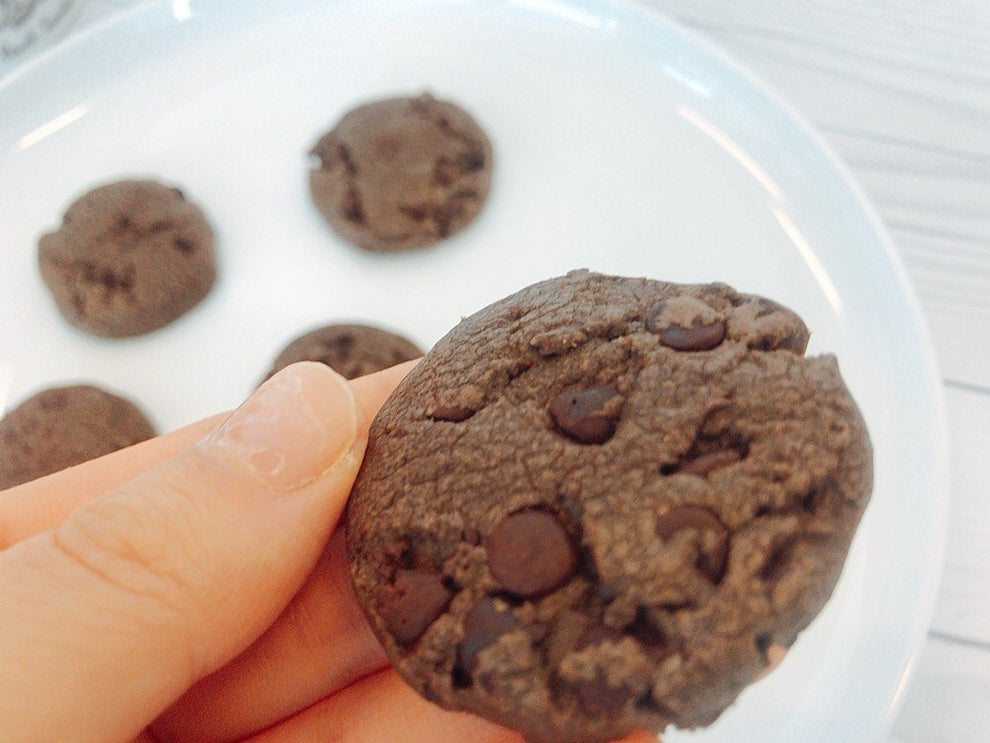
(43, 504)
(320, 644)
(383, 707)
(106, 620)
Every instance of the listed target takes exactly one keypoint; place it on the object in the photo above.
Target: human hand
(194, 588)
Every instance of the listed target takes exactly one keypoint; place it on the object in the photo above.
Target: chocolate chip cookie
(596, 504)
(350, 350)
(401, 173)
(129, 257)
(63, 426)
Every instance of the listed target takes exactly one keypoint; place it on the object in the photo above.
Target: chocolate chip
(483, 625)
(704, 464)
(473, 159)
(587, 415)
(597, 697)
(645, 630)
(530, 553)
(411, 604)
(451, 413)
(693, 338)
(183, 245)
(711, 562)
(460, 677)
(352, 207)
(564, 636)
(686, 324)
(813, 499)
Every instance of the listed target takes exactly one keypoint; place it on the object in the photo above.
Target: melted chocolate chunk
(710, 563)
(411, 604)
(686, 324)
(588, 415)
(451, 413)
(531, 553)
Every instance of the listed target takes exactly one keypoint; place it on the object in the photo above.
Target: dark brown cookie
(401, 173)
(596, 504)
(129, 257)
(63, 426)
(350, 350)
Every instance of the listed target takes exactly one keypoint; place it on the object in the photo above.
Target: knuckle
(137, 548)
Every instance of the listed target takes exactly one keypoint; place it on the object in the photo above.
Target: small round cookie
(401, 173)
(600, 504)
(129, 257)
(62, 426)
(350, 350)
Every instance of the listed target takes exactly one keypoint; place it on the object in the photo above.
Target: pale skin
(193, 587)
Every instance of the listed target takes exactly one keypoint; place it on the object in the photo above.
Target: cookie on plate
(401, 173)
(351, 350)
(596, 504)
(129, 258)
(62, 426)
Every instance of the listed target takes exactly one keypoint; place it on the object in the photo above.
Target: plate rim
(925, 354)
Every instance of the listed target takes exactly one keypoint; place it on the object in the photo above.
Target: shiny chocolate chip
(451, 413)
(686, 324)
(531, 553)
(587, 415)
(697, 337)
(711, 562)
(412, 603)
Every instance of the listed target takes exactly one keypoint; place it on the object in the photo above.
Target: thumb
(110, 617)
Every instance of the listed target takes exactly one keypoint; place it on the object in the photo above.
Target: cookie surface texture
(351, 350)
(595, 505)
(129, 258)
(62, 426)
(401, 173)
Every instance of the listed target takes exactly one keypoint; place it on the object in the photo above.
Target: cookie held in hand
(596, 504)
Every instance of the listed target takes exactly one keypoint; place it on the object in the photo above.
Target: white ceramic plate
(622, 144)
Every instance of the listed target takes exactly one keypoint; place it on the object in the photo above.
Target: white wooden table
(901, 90)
